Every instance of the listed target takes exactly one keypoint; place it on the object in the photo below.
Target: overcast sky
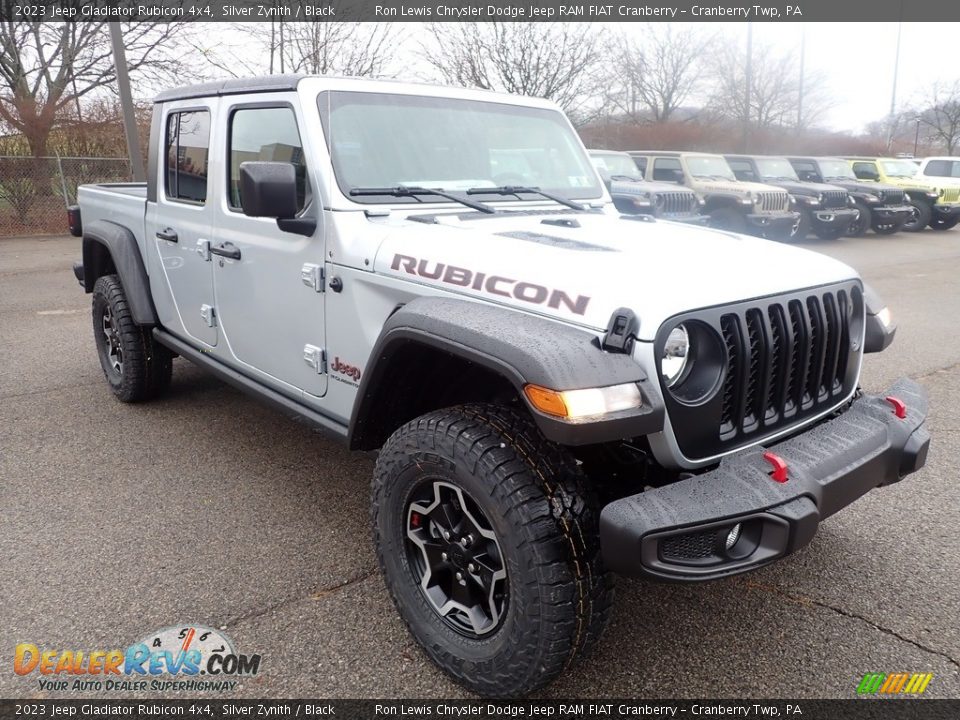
(856, 59)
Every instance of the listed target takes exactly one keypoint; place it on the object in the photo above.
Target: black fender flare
(121, 246)
(919, 195)
(521, 348)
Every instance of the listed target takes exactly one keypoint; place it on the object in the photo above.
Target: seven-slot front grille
(783, 359)
(774, 201)
(834, 199)
(777, 362)
(950, 195)
(893, 197)
(673, 203)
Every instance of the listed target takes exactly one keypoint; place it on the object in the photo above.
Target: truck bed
(121, 203)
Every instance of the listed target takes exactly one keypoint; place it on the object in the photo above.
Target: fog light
(733, 536)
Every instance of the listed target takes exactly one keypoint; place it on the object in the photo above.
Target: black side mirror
(269, 189)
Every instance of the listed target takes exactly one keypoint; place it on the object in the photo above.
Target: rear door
(270, 299)
(180, 223)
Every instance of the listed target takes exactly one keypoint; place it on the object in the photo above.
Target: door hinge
(316, 358)
(312, 275)
(203, 249)
(209, 315)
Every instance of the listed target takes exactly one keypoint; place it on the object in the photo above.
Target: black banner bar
(483, 10)
(859, 709)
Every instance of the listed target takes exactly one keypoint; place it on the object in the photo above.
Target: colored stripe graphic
(894, 683)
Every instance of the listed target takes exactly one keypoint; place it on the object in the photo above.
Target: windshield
(381, 140)
(615, 164)
(712, 168)
(899, 168)
(836, 169)
(776, 169)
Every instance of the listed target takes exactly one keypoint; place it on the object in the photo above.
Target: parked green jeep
(934, 204)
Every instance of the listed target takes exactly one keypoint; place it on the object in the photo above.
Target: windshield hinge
(621, 331)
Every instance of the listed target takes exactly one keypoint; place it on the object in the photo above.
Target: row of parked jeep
(785, 198)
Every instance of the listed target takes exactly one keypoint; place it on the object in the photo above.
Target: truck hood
(632, 187)
(581, 267)
(734, 187)
(805, 188)
(862, 186)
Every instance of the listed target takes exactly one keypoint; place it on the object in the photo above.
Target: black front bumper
(891, 214)
(946, 211)
(679, 532)
(778, 221)
(834, 217)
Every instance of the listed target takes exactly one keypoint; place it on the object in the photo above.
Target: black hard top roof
(237, 86)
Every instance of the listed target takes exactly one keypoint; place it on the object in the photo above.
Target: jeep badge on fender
(507, 342)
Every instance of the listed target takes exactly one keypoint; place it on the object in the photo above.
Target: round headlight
(675, 353)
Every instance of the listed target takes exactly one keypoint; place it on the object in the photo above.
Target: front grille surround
(773, 202)
(891, 197)
(675, 203)
(834, 199)
(787, 359)
(950, 195)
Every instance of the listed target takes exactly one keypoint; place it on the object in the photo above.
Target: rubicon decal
(494, 284)
(176, 652)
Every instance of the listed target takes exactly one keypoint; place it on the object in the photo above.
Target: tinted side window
(188, 147)
(641, 163)
(864, 169)
(938, 168)
(268, 134)
(667, 169)
(806, 171)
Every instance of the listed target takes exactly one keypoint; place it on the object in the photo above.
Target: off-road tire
(944, 223)
(920, 218)
(146, 367)
(859, 227)
(729, 219)
(545, 517)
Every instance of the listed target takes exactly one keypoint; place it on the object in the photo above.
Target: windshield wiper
(416, 192)
(519, 189)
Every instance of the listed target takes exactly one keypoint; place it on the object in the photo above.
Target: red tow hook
(779, 472)
(899, 408)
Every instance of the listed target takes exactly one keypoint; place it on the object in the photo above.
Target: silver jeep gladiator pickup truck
(557, 393)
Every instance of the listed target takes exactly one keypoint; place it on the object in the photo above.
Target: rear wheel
(944, 223)
(135, 366)
(863, 222)
(919, 217)
(487, 537)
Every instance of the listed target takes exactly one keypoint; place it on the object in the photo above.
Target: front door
(180, 223)
(269, 298)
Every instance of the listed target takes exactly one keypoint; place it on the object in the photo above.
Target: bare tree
(46, 68)
(550, 60)
(941, 117)
(655, 75)
(361, 49)
(775, 87)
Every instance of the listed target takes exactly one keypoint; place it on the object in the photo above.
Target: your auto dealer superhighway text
(576, 11)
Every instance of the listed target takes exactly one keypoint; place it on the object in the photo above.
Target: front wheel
(864, 220)
(134, 365)
(487, 537)
(919, 217)
(944, 223)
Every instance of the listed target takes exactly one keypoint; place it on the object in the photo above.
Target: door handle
(227, 250)
(168, 234)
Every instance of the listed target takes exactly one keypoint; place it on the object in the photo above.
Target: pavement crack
(938, 371)
(808, 601)
(293, 600)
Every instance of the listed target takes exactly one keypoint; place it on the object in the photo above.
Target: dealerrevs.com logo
(186, 658)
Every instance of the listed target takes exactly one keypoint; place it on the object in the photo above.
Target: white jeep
(557, 393)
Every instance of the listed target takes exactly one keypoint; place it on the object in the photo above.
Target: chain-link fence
(35, 192)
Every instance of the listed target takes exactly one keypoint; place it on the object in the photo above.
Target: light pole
(916, 138)
(896, 71)
(746, 95)
(126, 103)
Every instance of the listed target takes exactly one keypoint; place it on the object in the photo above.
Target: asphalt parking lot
(207, 507)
